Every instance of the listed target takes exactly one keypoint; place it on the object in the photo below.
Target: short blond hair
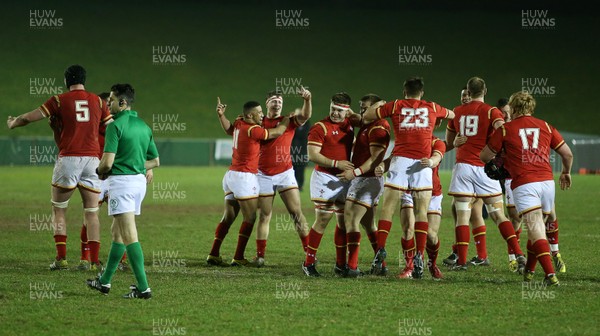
(521, 103)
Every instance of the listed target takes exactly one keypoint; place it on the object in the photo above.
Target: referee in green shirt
(129, 151)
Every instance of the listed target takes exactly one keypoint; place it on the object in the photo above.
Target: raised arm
(306, 111)
(25, 118)
(371, 114)
(225, 123)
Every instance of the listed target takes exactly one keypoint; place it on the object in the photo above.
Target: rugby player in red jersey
(240, 183)
(434, 217)
(476, 120)
(276, 173)
(329, 147)
(478, 213)
(365, 188)
(414, 120)
(526, 142)
(80, 114)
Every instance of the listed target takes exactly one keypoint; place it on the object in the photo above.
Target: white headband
(342, 107)
(278, 98)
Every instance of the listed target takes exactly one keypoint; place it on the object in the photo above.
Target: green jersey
(132, 142)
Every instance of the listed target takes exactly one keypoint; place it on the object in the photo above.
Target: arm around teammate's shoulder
(280, 129)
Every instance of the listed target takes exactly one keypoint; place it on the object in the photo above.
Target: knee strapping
(462, 206)
(60, 205)
(491, 208)
(91, 209)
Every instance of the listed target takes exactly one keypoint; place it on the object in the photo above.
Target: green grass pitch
(176, 230)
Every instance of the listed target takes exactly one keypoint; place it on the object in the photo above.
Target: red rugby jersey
(374, 134)
(527, 142)
(81, 113)
(275, 153)
(474, 120)
(246, 146)
(414, 121)
(334, 139)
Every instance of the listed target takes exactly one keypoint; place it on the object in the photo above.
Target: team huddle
(492, 143)
(105, 148)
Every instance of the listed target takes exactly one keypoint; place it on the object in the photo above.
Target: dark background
(233, 49)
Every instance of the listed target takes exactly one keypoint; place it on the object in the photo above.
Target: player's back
(414, 121)
(81, 114)
(246, 146)
(527, 143)
(474, 120)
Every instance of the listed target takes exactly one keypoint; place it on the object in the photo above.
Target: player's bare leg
(60, 202)
(407, 222)
(478, 229)
(291, 200)
(265, 206)
(461, 229)
(538, 248)
(433, 244)
(421, 201)
(353, 214)
(92, 223)
(323, 214)
(230, 212)
(495, 208)
(391, 198)
(248, 208)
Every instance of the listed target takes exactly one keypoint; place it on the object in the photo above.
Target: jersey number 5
(525, 132)
(82, 112)
(418, 118)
